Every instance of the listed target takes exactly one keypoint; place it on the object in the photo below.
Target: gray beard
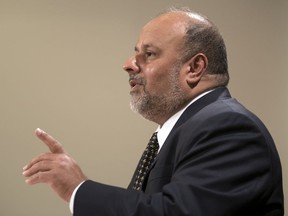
(152, 107)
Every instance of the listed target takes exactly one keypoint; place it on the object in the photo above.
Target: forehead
(167, 30)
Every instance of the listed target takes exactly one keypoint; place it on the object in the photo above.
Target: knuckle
(36, 178)
(41, 177)
(63, 161)
(39, 166)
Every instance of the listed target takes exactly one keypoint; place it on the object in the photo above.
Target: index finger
(53, 144)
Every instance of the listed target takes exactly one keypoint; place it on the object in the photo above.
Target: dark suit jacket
(218, 160)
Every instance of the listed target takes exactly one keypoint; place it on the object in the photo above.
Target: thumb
(53, 144)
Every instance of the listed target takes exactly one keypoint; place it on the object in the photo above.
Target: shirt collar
(166, 128)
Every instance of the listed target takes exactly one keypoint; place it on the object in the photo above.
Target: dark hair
(202, 36)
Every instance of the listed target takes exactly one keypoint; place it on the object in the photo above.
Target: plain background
(61, 70)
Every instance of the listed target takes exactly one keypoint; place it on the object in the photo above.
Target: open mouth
(135, 82)
(132, 83)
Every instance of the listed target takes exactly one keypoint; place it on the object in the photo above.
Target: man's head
(179, 55)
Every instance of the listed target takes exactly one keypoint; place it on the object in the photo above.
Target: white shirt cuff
(71, 203)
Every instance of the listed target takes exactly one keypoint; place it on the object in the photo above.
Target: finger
(39, 177)
(33, 179)
(43, 157)
(41, 166)
(53, 144)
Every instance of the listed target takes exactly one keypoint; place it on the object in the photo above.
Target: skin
(156, 52)
(55, 168)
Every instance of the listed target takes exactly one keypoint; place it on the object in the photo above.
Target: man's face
(154, 69)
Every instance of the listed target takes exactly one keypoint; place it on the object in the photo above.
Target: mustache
(136, 79)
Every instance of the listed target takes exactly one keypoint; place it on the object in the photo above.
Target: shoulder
(224, 123)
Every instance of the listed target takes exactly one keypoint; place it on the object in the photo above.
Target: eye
(149, 54)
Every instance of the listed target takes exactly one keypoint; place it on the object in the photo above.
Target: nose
(130, 65)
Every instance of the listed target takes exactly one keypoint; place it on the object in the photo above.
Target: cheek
(157, 79)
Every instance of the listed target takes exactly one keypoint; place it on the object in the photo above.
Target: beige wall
(60, 69)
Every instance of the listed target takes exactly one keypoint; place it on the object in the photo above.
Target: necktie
(146, 161)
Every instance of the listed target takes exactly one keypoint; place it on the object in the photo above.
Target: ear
(196, 67)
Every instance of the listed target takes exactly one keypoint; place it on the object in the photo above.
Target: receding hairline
(193, 17)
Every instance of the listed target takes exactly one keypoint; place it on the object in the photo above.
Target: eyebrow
(145, 46)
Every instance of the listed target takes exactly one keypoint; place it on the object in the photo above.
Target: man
(214, 157)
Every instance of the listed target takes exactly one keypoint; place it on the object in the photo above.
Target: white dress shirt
(166, 128)
(162, 135)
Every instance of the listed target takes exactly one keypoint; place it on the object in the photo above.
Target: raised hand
(55, 168)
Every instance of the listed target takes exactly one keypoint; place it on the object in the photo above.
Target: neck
(161, 119)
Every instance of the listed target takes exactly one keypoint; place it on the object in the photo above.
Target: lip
(132, 83)
(135, 82)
